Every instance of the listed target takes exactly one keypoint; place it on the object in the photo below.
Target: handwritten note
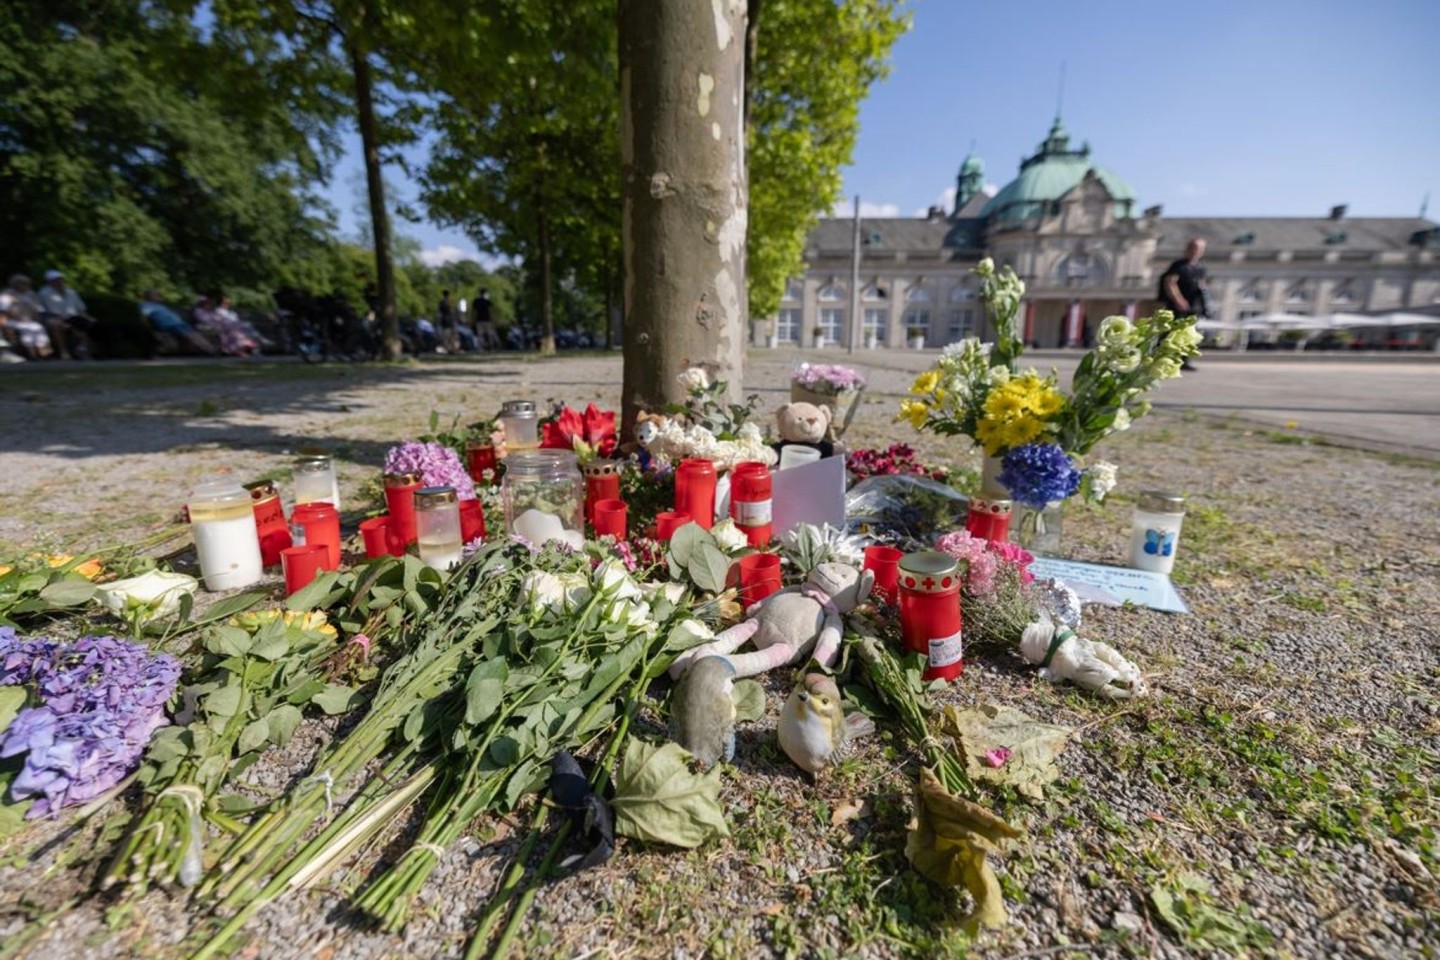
(1099, 583)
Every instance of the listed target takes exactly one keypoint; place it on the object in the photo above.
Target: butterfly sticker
(1159, 544)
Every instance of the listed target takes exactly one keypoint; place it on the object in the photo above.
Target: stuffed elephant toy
(786, 626)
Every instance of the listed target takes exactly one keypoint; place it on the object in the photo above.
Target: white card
(1140, 587)
(810, 493)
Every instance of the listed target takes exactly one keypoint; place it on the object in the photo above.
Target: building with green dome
(1070, 228)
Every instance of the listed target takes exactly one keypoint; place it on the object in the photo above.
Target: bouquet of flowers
(1023, 419)
(591, 434)
(706, 428)
(436, 464)
(830, 385)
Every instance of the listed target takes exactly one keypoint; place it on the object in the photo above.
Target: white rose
(555, 592)
(1102, 477)
(158, 590)
(694, 379)
(729, 537)
(687, 634)
(1115, 329)
(614, 581)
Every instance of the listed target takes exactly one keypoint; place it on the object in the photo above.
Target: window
(873, 293)
(794, 291)
(917, 294)
(832, 321)
(875, 324)
(917, 324)
(787, 325)
(1344, 292)
(962, 293)
(1252, 292)
(1248, 314)
(962, 324)
(1299, 292)
(832, 293)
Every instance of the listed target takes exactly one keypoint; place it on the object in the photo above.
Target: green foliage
(659, 800)
(803, 122)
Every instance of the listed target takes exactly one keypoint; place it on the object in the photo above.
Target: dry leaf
(1032, 745)
(849, 810)
(947, 842)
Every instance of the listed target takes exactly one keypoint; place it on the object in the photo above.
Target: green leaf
(229, 607)
(659, 800)
(484, 690)
(1032, 745)
(254, 736)
(709, 568)
(224, 702)
(749, 699)
(314, 594)
(69, 592)
(12, 699)
(233, 803)
(270, 645)
(505, 751)
(282, 721)
(229, 641)
(335, 699)
(686, 541)
(12, 813)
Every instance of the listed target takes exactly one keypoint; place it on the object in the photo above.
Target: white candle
(222, 521)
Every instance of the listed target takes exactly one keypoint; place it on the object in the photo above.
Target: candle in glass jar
(480, 458)
(437, 527)
(318, 524)
(751, 502)
(400, 502)
(695, 491)
(521, 424)
(222, 521)
(602, 482)
(930, 612)
(315, 480)
(1155, 531)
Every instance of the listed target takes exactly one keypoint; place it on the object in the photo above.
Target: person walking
(1182, 286)
(449, 335)
(485, 323)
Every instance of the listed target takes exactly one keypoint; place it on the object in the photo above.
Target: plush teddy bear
(785, 626)
(805, 424)
(648, 427)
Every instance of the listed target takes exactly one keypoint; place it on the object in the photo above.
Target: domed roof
(1051, 173)
(972, 164)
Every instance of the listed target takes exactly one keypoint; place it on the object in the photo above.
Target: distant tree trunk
(752, 50)
(682, 142)
(379, 218)
(547, 300)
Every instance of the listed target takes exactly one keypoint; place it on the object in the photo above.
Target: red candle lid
(929, 571)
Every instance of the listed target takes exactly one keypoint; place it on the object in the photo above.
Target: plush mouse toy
(790, 624)
(805, 424)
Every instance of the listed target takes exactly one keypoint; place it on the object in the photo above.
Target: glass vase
(1039, 530)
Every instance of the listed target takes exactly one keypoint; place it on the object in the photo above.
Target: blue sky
(1221, 107)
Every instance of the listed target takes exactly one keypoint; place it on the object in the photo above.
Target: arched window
(1344, 292)
(1252, 292)
(917, 294)
(832, 293)
(961, 292)
(794, 290)
(874, 293)
(1299, 292)
(1081, 270)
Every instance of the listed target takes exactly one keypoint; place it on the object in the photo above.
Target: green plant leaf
(229, 607)
(12, 699)
(229, 641)
(749, 699)
(659, 800)
(282, 721)
(709, 568)
(68, 592)
(313, 594)
(254, 736)
(686, 541)
(1032, 745)
(270, 645)
(224, 702)
(505, 751)
(484, 689)
(335, 699)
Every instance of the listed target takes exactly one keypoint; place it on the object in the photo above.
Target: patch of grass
(207, 408)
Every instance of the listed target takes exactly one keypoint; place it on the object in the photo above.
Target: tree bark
(682, 143)
(547, 300)
(379, 218)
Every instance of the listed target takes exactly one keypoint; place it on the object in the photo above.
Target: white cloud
(446, 253)
(846, 209)
(990, 189)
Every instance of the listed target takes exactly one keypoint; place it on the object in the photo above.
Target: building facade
(1070, 230)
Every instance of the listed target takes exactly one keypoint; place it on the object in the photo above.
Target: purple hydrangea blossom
(101, 700)
(828, 377)
(1039, 473)
(437, 465)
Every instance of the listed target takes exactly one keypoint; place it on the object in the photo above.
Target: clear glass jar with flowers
(1034, 435)
(832, 385)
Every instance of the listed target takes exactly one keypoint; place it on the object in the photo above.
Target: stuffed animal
(786, 626)
(805, 424)
(648, 427)
(1089, 664)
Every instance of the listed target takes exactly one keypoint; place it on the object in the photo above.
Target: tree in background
(803, 119)
(136, 151)
(527, 159)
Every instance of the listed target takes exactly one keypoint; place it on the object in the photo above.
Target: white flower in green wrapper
(155, 594)
(556, 593)
(729, 537)
(687, 634)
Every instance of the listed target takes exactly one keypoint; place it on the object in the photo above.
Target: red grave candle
(610, 518)
(759, 577)
(270, 525)
(376, 534)
(302, 565)
(667, 523)
(400, 501)
(482, 462)
(695, 491)
(472, 520)
(319, 525)
(750, 501)
(602, 482)
(989, 519)
(930, 612)
(884, 562)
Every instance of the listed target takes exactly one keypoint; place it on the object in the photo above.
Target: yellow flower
(915, 411)
(312, 621)
(90, 569)
(925, 383)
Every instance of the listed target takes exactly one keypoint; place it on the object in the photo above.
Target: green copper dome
(1047, 176)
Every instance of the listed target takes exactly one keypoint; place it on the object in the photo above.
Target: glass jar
(222, 520)
(521, 425)
(315, 480)
(437, 526)
(1155, 531)
(545, 480)
(930, 612)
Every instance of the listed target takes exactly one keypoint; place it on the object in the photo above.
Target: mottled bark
(683, 169)
(379, 218)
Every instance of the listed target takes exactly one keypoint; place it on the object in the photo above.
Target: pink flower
(1015, 554)
(997, 757)
(980, 565)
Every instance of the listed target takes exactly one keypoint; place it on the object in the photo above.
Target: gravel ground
(1286, 762)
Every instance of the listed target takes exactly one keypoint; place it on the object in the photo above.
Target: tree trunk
(682, 142)
(379, 218)
(547, 301)
(752, 50)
